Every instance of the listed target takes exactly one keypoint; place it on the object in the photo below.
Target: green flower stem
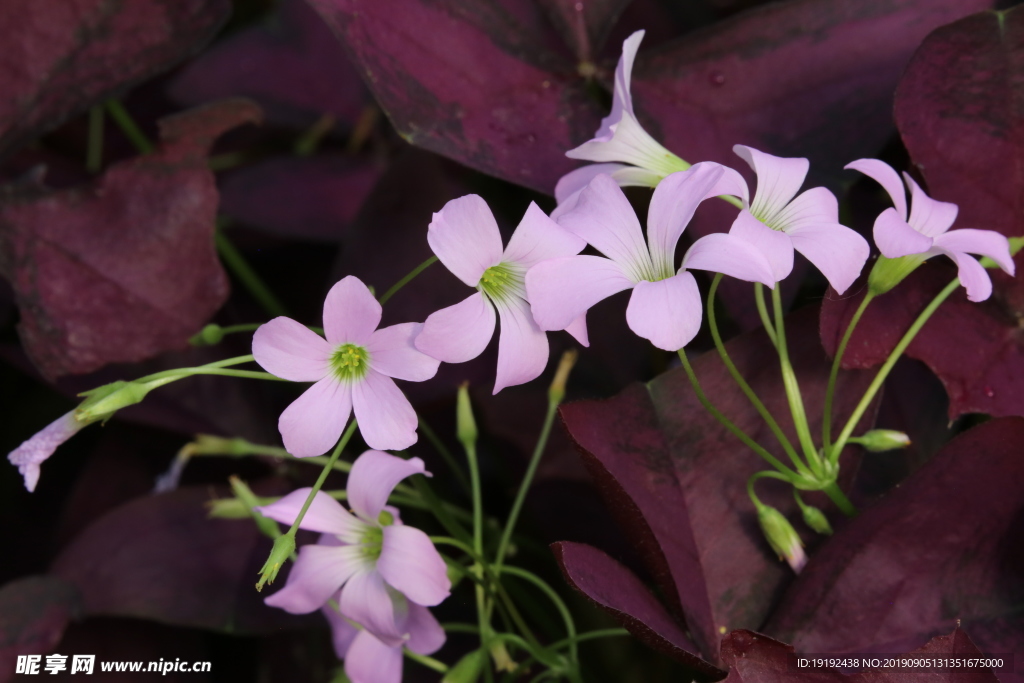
(446, 454)
(127, 125)
(94, 151)
(762, 310)
(426, 661)
(241, 269)
(482, 611)
(732, 200)
(727, 423)
(407, 279)
(789, 381)
(826, 423)
(746, 388)
(178, 373)
(876, 384)
(839, 498)
(589, 635)
(349, 431)
(760, 475)
(570, 625)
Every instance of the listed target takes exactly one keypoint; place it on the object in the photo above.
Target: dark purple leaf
(291, 65)
(33, 614)
(62, 56)
(584, 24)
(619, 592)
(124, 268)
(676, 479)
(942, 549)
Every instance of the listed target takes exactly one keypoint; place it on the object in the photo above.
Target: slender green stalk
(762, 310)
(732, 200)
(252, 282)
(760, 475)
(177, 373)
(94, 151)
(407, 279)
(826, 423)
(746, 388)
(349, 431)
(446, 454)
(426, 661)
(246, 374)
(127, 125)
(876, 384)
(839, 498)
(570, 625)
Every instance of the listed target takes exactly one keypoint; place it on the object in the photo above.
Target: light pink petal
(561, 290)
(778, 179)
(32, 453)
(972, 274)
(775, 245)
(578, 329)
(465, 236)
(674, 202)
(883, 174)
(929, 216)
(371, 661)
(460, 332)
(573, 182)
(730, 255)
(386, 419)
(522, 346)
(393, 353)
(604, 218)
(539, 238)
(373, 477)
(667, 312)
(895, 238)
(410, 563)
(836, 250)
(342, 630)
(325, 514)
(622, 100)
(730, 183)
(813, 207)
(365, 600)
(982, 242)
(317, 574)
(314, 421)
(291, 350)
(624, 175)
(351, 314)
(425, 635)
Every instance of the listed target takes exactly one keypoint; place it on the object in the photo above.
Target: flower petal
(425, 635)
(34, 451)
(291, 350)
(410, 563)
(604, 218)
(522, 346)
(622, 99)
(351, 314)
(312, 424)
(929, 216)
(465, 236)
(342, 630)
(982, 242)
(539, 238)
(624, 175)
(972, 274)
(371, 661)
(460, 332)
(386, 419)
(393, 353)
(573, 182)
(674, 202)
(837, 251)
(894, 236)
(578, 329)
(325, 514)
(365, 600)
(775, 245)
(316, 575)
(561, 290)
(883, 174)
(730, 255)
(667, 312)
(631, 144)
(778, 180)
(373, 477)
(813, 207)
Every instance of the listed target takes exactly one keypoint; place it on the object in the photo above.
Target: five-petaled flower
(388, 573)
(465, 236)
(925, 232)
(353, 370)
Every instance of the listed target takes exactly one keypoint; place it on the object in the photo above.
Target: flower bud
(283, 548)
(880, 440)
(889, 272)
(102, 402)
(467, 669)
(465, 424)
(782, 537)
(208, 336)
(816, 519)
(556, 392)
(267, 527)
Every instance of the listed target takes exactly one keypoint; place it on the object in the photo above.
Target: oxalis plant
(727, 471)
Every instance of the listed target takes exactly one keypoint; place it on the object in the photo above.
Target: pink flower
(353, 370)
(926, 230)
(465, 236)
(31, 454)
(388, 573)
(780, 221)
(665, 305)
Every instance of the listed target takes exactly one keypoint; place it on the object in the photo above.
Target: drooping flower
(35, 451)
(352, 370)
(779, 220)
(465, 236)
(638, 158)
(665, 305)
(387, 572)
(925, 231)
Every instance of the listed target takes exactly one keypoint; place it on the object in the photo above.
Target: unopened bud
(782, 537)
(816, 519)
(556, 392)
(208, 336)
(465, 424)
(889, 272)
(103, 402)
(467, 669)
(267, 527)
(284, 546)
(881, 440)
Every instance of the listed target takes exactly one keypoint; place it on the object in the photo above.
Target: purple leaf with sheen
(34, 611)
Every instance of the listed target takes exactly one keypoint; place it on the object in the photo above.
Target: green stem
(826, 424)
(876, 384)
(426, 661)
(762, 310)
(407, 279)
(94, 151)
(178, 373)
(839, 498)
(483, 616)
(760, 475)
(746, 388)
(349, 431)
(570, 625)
(131, 131)
(241, 269)
(732, 200)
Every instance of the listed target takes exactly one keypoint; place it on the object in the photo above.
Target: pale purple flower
(32, 453)
(353, 370)
(926, 230)
(465, 236)
(665, 305)
(638, 158)
(387, 572)
(779, 220)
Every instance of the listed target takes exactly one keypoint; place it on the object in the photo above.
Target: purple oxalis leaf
(584, 24)
(33, 614)
(124, 268)
(62, 56)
